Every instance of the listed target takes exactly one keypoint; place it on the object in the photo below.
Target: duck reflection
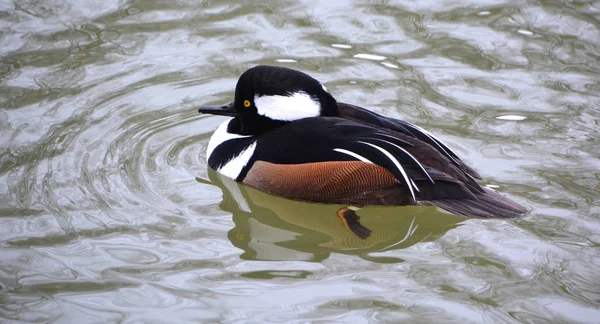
(273, 228)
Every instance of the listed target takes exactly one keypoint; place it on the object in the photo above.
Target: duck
(289, 137)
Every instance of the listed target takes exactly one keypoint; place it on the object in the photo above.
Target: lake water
(108, 212)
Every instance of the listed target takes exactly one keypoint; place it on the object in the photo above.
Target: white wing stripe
(354, 155)
(437, 142)
(414, 185)
(398, 166)
(413, 158)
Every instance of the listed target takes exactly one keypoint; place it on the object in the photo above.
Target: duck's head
(267, 97)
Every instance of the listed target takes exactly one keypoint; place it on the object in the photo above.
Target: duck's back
(332, 160)
(433, 153)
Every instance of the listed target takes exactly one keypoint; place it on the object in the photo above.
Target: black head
(267, 97)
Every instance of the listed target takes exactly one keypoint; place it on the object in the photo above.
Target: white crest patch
(233, 168)
(219, 136)
(296, 106)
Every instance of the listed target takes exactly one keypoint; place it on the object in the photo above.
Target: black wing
(356, 113)
(323, 139)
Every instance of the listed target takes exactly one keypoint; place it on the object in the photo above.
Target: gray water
(108, 212)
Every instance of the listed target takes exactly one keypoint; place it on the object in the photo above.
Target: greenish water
(108, 212)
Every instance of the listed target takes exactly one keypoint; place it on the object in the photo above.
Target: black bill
(226, 110)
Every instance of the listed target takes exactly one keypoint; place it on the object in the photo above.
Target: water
(108, 212)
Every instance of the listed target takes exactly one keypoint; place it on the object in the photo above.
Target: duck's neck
(254, 127)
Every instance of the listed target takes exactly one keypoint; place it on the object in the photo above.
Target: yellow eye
(247, 103)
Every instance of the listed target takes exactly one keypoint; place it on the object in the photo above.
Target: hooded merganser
(290, 137)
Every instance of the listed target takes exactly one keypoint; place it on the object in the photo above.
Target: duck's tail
(487, 204)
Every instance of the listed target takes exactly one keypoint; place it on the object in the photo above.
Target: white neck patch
(219, 136)
(232, 168)
(288, 108)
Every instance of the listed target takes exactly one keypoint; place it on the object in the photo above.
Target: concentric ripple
(108, 212)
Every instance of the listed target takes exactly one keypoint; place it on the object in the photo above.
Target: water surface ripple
(108, 212)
